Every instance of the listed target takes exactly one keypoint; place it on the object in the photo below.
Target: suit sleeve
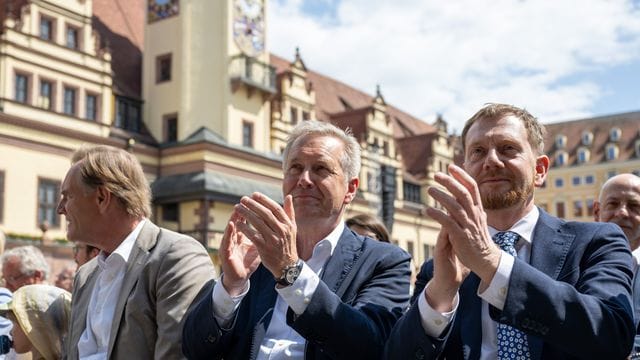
(408, 339)
(366, 319)
(586, 312)
(202, 338)
(185, 268)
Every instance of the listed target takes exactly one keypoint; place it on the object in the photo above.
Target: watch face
(292, 275)
(248, 26)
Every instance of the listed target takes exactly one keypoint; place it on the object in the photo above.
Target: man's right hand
(239, 258)
(448, 275)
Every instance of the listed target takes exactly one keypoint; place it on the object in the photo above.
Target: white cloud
(433, 56)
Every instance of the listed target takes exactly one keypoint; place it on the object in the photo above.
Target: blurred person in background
(64, 280)
(367, 225)
(24, 265)
(83, 252)
(619, 203)
(40, 316)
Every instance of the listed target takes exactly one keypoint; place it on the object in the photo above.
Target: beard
(520, 192)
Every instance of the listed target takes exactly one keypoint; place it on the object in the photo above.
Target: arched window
(583, 155)
(561, 158)
(611, 152)
(587, 138)
(614, 134)
(561, 141)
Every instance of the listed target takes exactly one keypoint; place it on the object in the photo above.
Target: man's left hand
(465, 222)
(272, 229)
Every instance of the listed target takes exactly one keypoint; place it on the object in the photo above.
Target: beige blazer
(164, 274)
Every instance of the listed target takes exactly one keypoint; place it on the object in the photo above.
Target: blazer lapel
(138, 257)
(549, 249)
(549, 246)
(338, 268)
(82, 291)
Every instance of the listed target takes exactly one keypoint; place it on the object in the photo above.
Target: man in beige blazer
(129, 301)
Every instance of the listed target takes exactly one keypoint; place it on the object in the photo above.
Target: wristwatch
(290, 273)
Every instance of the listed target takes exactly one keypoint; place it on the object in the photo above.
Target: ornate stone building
(190, 87)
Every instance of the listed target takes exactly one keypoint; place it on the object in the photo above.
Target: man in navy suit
(619, 203)
(551, 289)
(296, 282)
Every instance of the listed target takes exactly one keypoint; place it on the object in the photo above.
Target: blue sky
(562, 59)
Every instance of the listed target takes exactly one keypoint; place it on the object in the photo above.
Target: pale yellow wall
(253, 109)
(162, 37)
(200, 41)
(22, 168)
(550, 195)
(81, 70)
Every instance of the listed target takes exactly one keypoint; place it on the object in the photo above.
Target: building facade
(584, 154)
(190, 88)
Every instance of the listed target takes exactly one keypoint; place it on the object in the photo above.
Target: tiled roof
(416, 153)
(120, 24)
(600, 127)
(335, 97)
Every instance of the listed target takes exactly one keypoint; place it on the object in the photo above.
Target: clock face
(162, 9)
(248, 26)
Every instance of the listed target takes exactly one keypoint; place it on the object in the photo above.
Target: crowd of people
(507, 280)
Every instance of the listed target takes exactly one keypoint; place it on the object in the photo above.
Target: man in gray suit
(129, 301)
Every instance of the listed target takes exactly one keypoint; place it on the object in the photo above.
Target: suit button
(420, 354)
(211, 339)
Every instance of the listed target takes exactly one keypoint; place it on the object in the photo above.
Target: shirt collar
(331, 240)
(636, 256)
(523, 227)
(124, 249)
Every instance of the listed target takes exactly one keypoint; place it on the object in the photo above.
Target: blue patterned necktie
(512, 343)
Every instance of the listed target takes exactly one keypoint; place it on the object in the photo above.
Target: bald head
(619, 203)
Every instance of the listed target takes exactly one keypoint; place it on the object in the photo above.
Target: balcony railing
(252, 72)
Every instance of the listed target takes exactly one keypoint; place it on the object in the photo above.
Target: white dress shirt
(94, 342)
(280, 340)
(435, 322)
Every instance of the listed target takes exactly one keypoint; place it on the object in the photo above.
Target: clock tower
(206, 66)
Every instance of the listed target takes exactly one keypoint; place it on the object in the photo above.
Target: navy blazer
(363, 292)
(573, 300)
(636, 311)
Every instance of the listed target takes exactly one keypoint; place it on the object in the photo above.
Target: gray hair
(31, 260)
(350, 160)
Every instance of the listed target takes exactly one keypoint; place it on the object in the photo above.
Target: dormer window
(561, 159)
(611, 152)
(614, 134)
(587, 138)
(561, 141)
(583, 155)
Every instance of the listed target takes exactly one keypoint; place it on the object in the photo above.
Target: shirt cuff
(434, 322)
(298, 295)
(225, 305)
(496, 292)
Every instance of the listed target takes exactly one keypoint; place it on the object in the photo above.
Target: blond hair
(119, 172)
(535, 130)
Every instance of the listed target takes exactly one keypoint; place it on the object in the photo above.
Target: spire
(379, 98)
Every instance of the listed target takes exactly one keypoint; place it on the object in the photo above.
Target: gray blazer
(165, 271)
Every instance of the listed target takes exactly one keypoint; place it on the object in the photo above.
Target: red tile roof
(120, 24)
(335, 97)
(628, 123)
